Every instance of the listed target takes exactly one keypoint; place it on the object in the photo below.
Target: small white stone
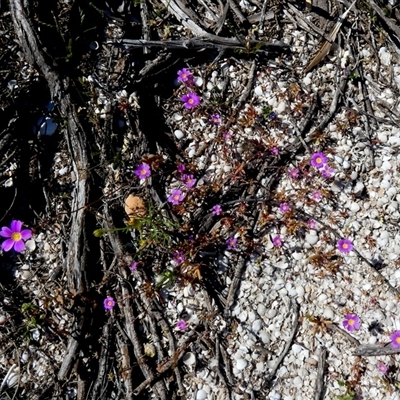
(354, 207)
(271, 313)
(346, 164)
(178, 134)
(261, 309)
(243, 316)
(300, 291)
(281, 107)
(241, 364)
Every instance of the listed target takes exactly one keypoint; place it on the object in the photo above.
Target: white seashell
(25, 275)
(354, 207)
(30, 245)
(312, 239)
(298, 382)
(198, 81)
(178, 134)
(201, 395)
(25, 357)
(35, 334)
(279, 284)
(241, 364)
(296, 348)
(328, 313)
(189, 359)
(264, 337)
(9, 182)
(261, 309)
(300, 291)
(242, 316)
(256, 325)
(258, 91)
(271, 313)
(12, 379)
(260, 366)
(178, 117)
(297, 256)
(281, 107)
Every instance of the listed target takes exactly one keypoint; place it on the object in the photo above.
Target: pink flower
(274, 151)
(312, 224)
(294, 173)
(327, 171)
(284, 207)
(109, 303)
(215, 119)
(217, 210)
(382, 368)
(395, 338)
(15, 236)
(191, 100)
(351, 322)
(345, 246)
(185, 76)
(179, 257)
(133, 266)
(318, 160)
(277, 241)
(176, 197)
(227, 135)
(316, 195)
(231, 243)
(181, 325)
(188, 180)
(181, 168)
(143, 171)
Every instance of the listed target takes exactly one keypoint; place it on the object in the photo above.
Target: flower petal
(7, 244)
(26, 234)
(5, 232)
(19, 246)
(16, 226)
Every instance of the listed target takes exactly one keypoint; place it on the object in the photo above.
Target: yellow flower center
(16, 236)
(318, 160)
(176, 197)
(143, 172)
(345, 245)
(351, 321)
(190, 101)
(398, 340)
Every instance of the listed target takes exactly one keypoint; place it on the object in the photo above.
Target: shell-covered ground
(212, 191)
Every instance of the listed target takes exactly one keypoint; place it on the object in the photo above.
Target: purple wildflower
(327, 171)
(231, 243)
(345, 246)
(312, 224)
(382, 368)
(215, 119)
(181, 325)
(351, 322)
(15, 237)
(133, 266)
(109, 303)
(277, 241)
(318, 160)
(284, 208)
(274, 151)
(217, 210)
(179, 257)
(176, 197)
(185, 76)
(316, 195)
(395, 338)
(188, 180)
(181, 168)
(294, 173)
(143, 171)
(191, 100)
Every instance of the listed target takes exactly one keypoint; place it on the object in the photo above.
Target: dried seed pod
(134, 206)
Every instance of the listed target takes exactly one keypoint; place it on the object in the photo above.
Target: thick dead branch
(210, 42)
(320, 374)
(370, 350)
